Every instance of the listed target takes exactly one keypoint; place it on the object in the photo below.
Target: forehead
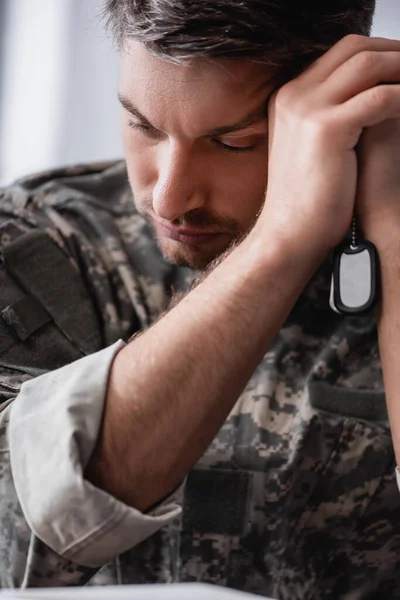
(146, 76)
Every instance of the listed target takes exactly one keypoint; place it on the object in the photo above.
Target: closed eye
(154, 133)
(146, 129)
(233, 148)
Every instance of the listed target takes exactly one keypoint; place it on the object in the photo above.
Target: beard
(195, 256)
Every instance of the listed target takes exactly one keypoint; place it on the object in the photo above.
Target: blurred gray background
(58, 83)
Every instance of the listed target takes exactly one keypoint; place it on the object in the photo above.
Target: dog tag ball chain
(355, 276)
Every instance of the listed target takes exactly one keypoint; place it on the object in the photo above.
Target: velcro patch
(216, 501)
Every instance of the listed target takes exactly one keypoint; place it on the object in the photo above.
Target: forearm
(389, 336)
(172, 387)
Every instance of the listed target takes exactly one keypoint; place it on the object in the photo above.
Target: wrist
(382, 229)
(302, 258)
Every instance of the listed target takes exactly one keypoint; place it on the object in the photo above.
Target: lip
(190, 237)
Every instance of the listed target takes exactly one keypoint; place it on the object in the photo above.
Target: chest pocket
(310, 515)
(47, 318)
(347, 498)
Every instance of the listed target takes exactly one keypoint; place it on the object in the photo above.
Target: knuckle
(379, 96)
(286, 95)
(355, 41)
(295, 91)
(366, 60)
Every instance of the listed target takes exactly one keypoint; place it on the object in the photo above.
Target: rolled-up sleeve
(54, 425)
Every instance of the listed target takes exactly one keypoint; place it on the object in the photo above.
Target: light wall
(59, 81)
(58, 87)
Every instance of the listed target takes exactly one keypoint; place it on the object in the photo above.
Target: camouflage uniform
(295, 498)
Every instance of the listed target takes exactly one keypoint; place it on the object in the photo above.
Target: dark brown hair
(282, 33)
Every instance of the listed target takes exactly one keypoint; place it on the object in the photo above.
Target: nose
(178, 189)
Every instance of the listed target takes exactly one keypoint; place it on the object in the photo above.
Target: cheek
(141, 163)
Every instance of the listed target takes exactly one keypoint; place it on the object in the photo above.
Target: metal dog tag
(355, 277)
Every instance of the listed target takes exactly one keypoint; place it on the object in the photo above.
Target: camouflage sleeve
(55, 527)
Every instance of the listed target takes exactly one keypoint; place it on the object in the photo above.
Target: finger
(361, 72)
(372, 106)
(341, 52)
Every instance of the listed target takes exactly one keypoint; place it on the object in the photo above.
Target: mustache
(199, 218)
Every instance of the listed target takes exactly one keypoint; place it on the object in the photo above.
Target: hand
(378, 189)
(316, 121)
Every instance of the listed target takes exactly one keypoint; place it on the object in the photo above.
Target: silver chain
(354, 233)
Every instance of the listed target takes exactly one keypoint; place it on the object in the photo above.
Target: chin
(197, 258)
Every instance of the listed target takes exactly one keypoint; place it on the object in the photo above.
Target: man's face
(196, 146)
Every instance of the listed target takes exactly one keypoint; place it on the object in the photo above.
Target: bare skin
(186, 372)
(378, 205)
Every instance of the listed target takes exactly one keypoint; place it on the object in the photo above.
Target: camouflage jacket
(295, 498)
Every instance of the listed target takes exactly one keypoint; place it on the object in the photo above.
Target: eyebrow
(255, 116)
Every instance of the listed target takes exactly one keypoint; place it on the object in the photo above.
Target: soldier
(179, 403)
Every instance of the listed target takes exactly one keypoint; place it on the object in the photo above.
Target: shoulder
(81, 201)
(89, 212)
(107, 182)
